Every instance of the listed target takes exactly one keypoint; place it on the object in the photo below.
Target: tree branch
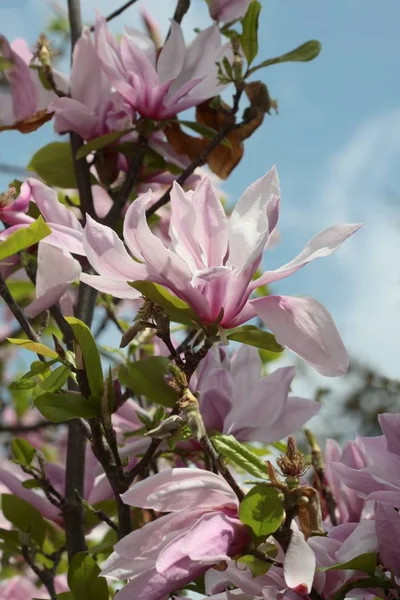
(181, 9)
(117, 12)
(26, 428)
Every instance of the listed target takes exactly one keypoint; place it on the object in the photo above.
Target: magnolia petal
(361, 541)
(248, 224)
(107, 255)
(72, 115)
(153, 586)
(173, 489)
(52, 210)
(108, 285)
(57, 269)
(390, 424)
(387, 527)
(323, 244)
(228, 10)
(305, 327)
(299, 564)
(172, 55)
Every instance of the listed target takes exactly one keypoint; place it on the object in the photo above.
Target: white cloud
(356, 190)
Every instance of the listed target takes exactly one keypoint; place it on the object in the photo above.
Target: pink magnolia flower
(56, 267)
(235, 400)
(13, 211)
(23, 588)
(158, 86)
(25, 108)
(228, 10)
(93, 108)
(202, 528)
(350, 506)
(211, 261)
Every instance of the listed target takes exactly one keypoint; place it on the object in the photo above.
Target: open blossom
(235, 400)
(57, 268)
(211, 261)
(25, 107)
(159, 86)
(93, 108)
(201, 529)
(228, 10)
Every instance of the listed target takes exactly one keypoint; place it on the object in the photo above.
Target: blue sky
(336, 143)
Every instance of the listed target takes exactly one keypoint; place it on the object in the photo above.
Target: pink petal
(228, 10)
(72, 115)
(249, 222)
(52, 210)
(387, 526)
(173, 489)
(88, 83)
(153, 586)
(359, 480)
(361, 541)
(57, 269)
(23, 90)
(299, 564)
(305, 327)
(390, 424)
(108, 285)
(323, 244)
(170, 60)
(107, 255)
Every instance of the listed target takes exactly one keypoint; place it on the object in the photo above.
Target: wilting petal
(173, 489)
(248, 224)
(387, 527)
(305, 327)
(57, 269)
(390, 424)
(299, 564)
(323, 244)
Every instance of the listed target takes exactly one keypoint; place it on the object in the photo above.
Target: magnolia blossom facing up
(212, 260)
(235, 400)
(159, 86)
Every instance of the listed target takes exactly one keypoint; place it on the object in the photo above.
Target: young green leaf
(303, 53)
(262, 510)
(147, 378)
(54, 382)
(90, 355)
(67, 405)
(54, 164)
(254, 336)
(34, 347)
(249, 36)
(24, 238)
(364, 562)
(256, 565)
(176, 308)
(24, 517)
(100, 142)
(239, 454)
(23, 451)
(83, 579)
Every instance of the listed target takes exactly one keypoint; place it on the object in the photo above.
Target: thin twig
(18, 313)
(117, 12)
(229, 125)
(181, 9)
(46, 577)
(219, 465)
(26, 428)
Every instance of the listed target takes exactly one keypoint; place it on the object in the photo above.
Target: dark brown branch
(117, 12)
(220, 467)
(26, 428)
(45, 576)
(181, 10)
(126, 188)
(229, 126)
(18, 313)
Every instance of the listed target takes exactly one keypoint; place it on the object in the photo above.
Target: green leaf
(67, 405)
(175, 308)
(21, 290)
(24, 238)
(100, 142)
(65, 596)
(31, 484)
(28, 380)
(84, 580)
(147, 378)
(90, 355)
(254, 336)
(24, 517)
(11, 538)
(365, 582)
(256, 565)
(303, 53)
(364, 562)
(53, 382)
(34, 347)
(239, 454)
(55, 165)
(205, 131)
(249, 36)
(22, 450)
(262, 510)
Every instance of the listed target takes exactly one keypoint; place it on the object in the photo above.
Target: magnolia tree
(157, 469)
